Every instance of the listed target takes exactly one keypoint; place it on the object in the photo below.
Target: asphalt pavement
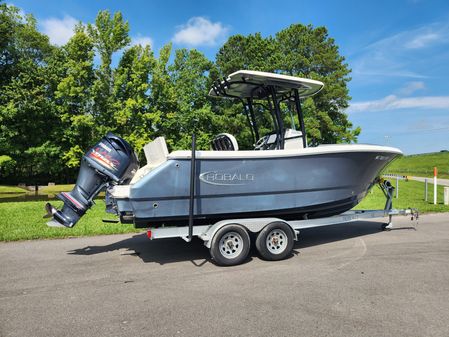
(343, 280)
(442, 182)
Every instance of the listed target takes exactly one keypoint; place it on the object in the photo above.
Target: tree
(309, 52)
(109, 34)
(163, 96)
(73, 95)
(178, 98)
(19, 40)
(193, 114)
(26, 112)
(252, 52)
(132, 115)
(7, 165)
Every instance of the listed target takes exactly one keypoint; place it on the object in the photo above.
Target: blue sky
(398, 50)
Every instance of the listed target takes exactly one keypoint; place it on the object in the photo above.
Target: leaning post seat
(225, 142)
(156, 153)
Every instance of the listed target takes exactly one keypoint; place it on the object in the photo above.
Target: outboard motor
(110, 161)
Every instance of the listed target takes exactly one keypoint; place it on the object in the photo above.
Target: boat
(281, 177)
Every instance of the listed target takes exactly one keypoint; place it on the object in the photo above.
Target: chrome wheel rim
(276, 241)
(231, 245)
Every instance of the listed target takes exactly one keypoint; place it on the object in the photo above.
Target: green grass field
(11, 189)
(45, 190)
(56, 189)
(23, 220)
(421, 165)
(411, 195)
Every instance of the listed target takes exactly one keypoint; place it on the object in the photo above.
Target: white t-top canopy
(244, 84)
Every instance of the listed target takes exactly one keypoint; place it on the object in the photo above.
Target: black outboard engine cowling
(111, 160)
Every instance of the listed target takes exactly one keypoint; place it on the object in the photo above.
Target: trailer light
(149, 234)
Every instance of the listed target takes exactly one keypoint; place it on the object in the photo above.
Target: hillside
(421, 165)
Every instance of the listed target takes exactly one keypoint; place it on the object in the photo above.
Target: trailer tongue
(110, 161)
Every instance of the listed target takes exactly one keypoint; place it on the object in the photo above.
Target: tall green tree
(134, 120)
(252, 52)
(26, 112)
(189, 77)
(309, 52)
(74, 94)
(163, 99)
(109, 35)
(19, 39)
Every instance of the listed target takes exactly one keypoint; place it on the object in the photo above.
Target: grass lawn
(23, 220)
(45, 190)
(411, 194)
(12, 189)
(421, 165)
(56, 189)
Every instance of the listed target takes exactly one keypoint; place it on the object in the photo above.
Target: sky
(398, 50)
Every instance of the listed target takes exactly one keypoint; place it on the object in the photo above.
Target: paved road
(345, 280)
(442, 182)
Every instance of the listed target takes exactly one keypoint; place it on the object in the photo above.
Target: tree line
(56, 101)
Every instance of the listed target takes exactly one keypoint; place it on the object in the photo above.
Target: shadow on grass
(164, 251)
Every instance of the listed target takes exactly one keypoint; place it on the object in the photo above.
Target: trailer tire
(230, 245)
(275, 241)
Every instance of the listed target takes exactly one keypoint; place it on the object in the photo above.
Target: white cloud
(404, 54)
(200, 31)
(421, 37)
(392, 102)
(59, 30)
(423, 40)
(142, 40)
(411, 87)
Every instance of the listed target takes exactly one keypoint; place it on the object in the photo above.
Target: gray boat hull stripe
(240, 194)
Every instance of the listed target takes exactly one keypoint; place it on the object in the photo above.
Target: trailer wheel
(230, 245)
(275, 241)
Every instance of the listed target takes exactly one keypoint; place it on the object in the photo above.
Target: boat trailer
(229, 241)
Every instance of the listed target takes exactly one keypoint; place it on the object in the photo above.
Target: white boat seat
(225, 142)
(156, 153)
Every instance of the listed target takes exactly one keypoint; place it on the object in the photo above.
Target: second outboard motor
(111, 160)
